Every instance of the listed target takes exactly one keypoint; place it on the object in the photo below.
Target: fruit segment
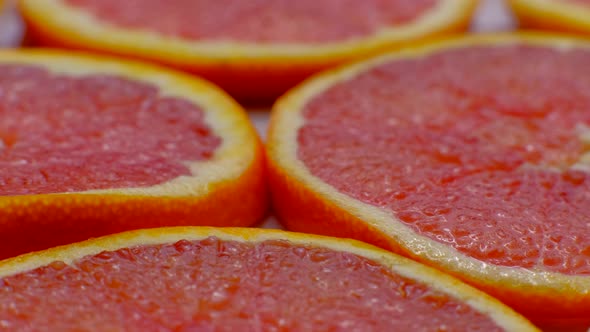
(69, 134)
(227, 280)
(258, 21)
(454, 155)
(255, 50)
(470, 155)
(91, 146)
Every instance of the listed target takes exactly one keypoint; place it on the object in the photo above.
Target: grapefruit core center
(61, 133)
(213, 283)
(259, 21)
(484, 149)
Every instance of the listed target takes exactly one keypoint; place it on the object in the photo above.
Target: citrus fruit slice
(253, 49)
(571, 16)
(204, 279)
(470, 155)
(90, 146)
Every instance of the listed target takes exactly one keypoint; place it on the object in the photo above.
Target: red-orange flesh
(260, 21)
(227, 285)
(473, 148)
(61, 133)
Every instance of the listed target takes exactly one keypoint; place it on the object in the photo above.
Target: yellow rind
(249, 71)
(79, 25)
(481, 302)
(380, 225)
(552, 15)
(228, 189)
(225, 117)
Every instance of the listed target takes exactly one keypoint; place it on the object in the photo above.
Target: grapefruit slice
(206, 279)
(253, 49)
(91, 146)
(470, 155)
(571, 16)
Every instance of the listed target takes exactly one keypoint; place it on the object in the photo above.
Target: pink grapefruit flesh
(258, 21)
(214, 284)
(481, 149)
(62, 133)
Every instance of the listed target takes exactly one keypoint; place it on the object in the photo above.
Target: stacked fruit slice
(195, 279)
(91, 146)
(469, 155)
(254, 49)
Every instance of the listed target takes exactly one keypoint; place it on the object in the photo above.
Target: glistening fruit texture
(91, 146)
(471, 155)
(255, 50)
(237, 280)
(95, 131)
(258, 21)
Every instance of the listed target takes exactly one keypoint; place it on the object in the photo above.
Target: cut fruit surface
(470, 155)
(50, 122)
(572, 16)
(237, 279)
(256, 49)
(259, 21)
(91, 146)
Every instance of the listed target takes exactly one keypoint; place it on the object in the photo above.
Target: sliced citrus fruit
(207, 279)
(470, 155)
(254, 49)
(90, 146)
(571, 16)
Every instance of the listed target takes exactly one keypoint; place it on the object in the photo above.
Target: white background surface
(491, 16)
